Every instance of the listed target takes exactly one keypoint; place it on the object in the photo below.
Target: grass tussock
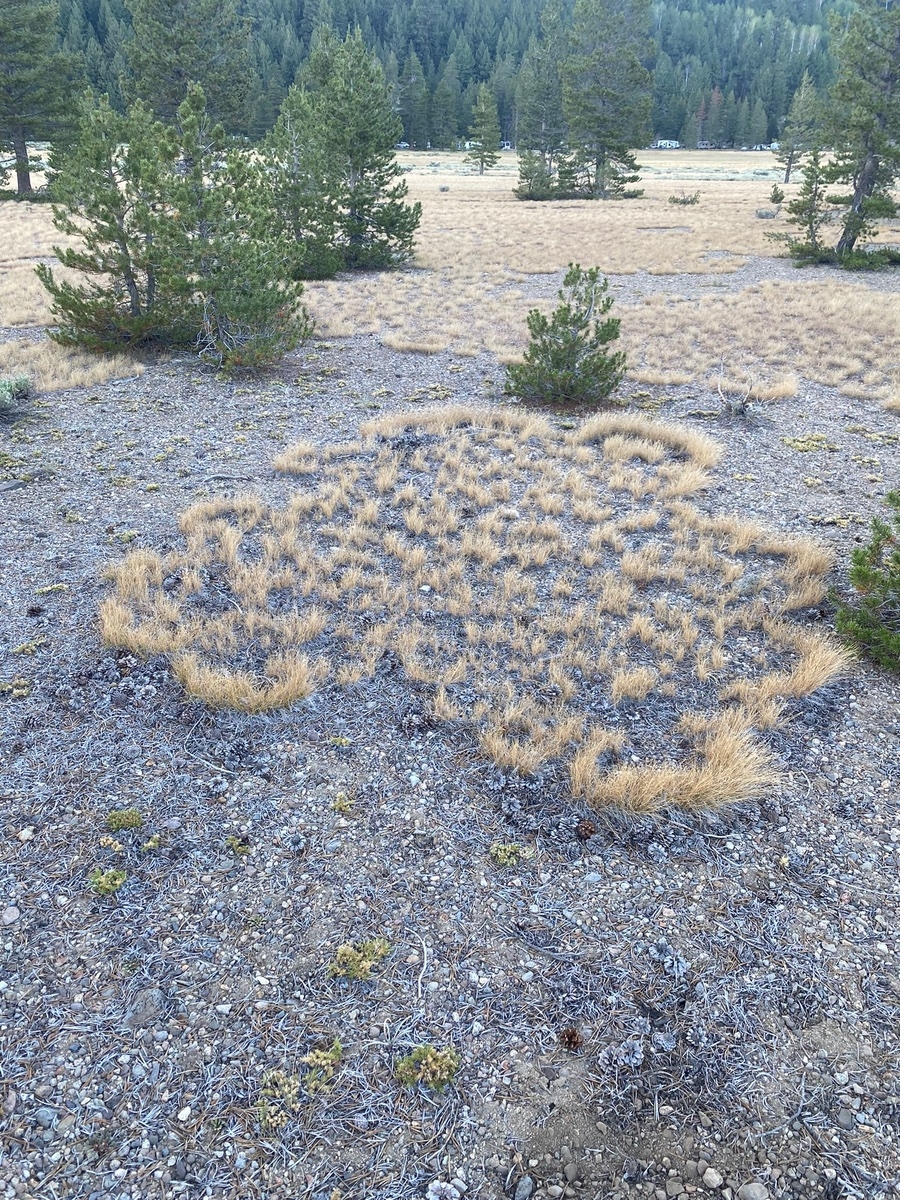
(491, 556)
(53, 367)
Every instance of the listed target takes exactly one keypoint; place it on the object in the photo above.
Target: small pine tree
(168, 225)
(484, 133)
(809, 212)
(801, 125)
(567, 358)
(874, 623)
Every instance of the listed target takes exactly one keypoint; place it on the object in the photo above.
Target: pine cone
(570, 1038)
(585, 829)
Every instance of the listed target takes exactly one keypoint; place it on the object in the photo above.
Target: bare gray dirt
(646, 1007)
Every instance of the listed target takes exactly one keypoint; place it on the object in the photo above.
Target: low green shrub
(873, 623)
(435, 1068)
(685, 198)
(567, 357)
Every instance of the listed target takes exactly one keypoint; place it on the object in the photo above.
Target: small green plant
(322, 1064)
(509, 854)
(152, 843)
(434, 1068)
(106, 883)
(776, 196)
(278, 1101)
(685, 198)
(123, 818)
(343, 803)
(356, 960)
(567, 357)
(874, 622)
(237, 845)
(13, 393)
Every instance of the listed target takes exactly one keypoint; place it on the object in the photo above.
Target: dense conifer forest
(724, 72)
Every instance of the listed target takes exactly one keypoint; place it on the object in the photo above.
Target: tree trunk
(854, 221)
(23, 172)
(788, 165)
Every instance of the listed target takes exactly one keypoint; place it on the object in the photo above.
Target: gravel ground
(669, 1007)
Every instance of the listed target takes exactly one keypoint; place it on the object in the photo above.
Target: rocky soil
(671, 1007)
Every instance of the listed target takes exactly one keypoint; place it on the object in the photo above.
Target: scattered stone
(45, 1116)
(10, 915)
(524, 1188)
(146, 1007)
(712, 1178)
(753, 1191)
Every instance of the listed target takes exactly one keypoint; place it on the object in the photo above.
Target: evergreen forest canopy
(723, 72)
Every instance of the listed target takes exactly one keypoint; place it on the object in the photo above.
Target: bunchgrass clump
(567, 357)
(872, 622)
(434, 1068)
(556, 593)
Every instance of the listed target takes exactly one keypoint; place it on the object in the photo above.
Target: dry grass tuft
(54, 367)
(520, 576)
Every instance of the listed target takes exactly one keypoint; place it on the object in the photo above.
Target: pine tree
(759, 125)
(567, 357)
(484, 133)
(865, 117)
(800, 127)
(36, 83)
(607, 93)
(177, 42)
(331, 165)
(541, 126)
(167, 221)
(414, 102)
(810, 212)
(303, 210)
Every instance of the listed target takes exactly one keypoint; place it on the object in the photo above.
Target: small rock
(184, 1113)
(753, 1191)
(10, 915)
(554, 1190)
(674, 1186)
(146, 1007)
(45, 1116)
(524, 1188)
(712, 1178)
(571, 1172)
(65, 1125)
(26, 834)
(845, 1118)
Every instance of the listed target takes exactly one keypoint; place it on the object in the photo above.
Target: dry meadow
(408, 796)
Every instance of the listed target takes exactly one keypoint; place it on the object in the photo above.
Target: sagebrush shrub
(873, 623)
(567, 357)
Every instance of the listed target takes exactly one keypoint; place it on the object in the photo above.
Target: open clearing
(534, 648)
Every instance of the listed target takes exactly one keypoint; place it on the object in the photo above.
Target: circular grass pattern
(557, 593)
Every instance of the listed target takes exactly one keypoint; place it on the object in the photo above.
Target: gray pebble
(145, 1008)
(524, 1188)
(45, 1116)
(753, 1191)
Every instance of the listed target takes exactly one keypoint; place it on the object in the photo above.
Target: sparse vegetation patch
(559, 595)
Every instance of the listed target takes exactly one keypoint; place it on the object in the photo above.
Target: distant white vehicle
(402, 146)
(667, 144)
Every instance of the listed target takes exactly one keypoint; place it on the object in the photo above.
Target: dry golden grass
(479, 249)
(756, 341)
(537, 610)
(54, 367)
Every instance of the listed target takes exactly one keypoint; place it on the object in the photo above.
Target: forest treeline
(723, 72)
